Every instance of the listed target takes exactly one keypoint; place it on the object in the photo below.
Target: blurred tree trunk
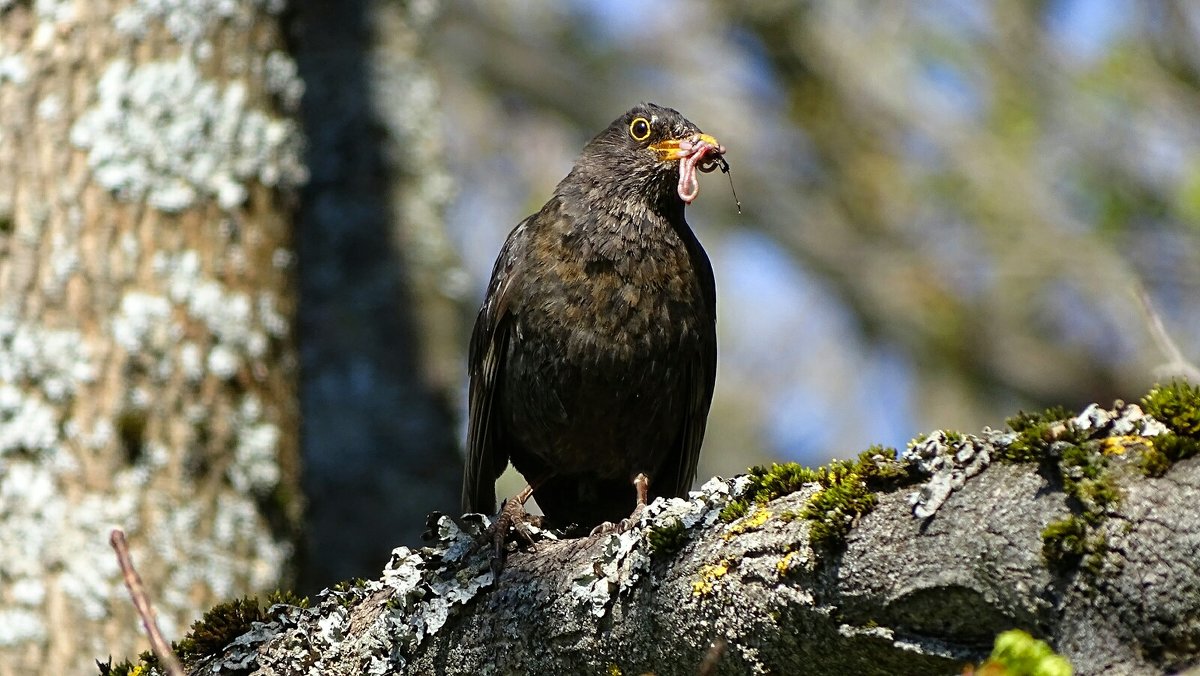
(147, 365)
(381, 349)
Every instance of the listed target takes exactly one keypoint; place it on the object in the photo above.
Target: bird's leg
(512, 516)
(641, 484)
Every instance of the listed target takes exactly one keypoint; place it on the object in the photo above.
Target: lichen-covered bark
(147, 369)
(901, 594)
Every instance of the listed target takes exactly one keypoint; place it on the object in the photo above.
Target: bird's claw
(514, 518)
(610, 528)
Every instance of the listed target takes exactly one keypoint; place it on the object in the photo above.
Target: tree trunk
(821, 573)
(375, 316)
(147, 366)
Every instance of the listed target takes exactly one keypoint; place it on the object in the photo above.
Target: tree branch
(1023, 532)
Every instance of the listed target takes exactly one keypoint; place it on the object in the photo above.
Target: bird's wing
(487, 452)
(699, 379)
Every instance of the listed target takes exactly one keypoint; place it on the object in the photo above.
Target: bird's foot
(515, 520)
(609, 528)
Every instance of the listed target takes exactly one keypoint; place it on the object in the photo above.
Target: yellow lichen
(1119, 445)
(784, 565)
(709, 576)
(756, 519)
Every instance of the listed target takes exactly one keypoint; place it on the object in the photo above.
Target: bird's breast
(643, 303)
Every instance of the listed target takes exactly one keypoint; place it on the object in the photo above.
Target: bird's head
(649, 155)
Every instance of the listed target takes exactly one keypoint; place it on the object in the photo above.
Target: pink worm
(689, 187)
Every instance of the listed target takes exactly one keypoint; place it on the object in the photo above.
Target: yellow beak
(679, 148)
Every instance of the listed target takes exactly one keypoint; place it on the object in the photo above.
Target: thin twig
(133, 582)
(1176, 364)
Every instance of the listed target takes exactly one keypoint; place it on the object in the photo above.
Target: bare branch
(133, 582)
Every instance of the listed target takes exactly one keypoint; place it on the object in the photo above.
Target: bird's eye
(639, 129)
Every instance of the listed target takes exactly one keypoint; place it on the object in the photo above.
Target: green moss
(1022, 421)
(668, 538)
(347, 591)
(777, 481)
(734, 510)
(1092, 492)
(1086, 478)
(218, 627)
(287, 598)
(1166, 450)
(953, 436)
(1050, 439)
(211, 633)
(1176, 405)
(834, 508)
(847, 491)
(1154, 462)
(351, 585)
(1064, 542)
(1016, 652)
(1035, 434)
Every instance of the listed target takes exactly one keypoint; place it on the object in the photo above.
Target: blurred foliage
(949, 207)
(1016, 653)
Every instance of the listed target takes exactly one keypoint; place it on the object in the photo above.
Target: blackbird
(593, 357)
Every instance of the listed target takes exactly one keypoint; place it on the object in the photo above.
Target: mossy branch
(881, 564)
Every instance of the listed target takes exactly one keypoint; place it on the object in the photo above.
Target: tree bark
(147, 365)
(899, 594)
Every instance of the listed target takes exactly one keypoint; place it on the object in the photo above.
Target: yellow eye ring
(639, 129)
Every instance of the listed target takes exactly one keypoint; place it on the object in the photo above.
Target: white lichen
(949, 461)
(223, 362)
(188, 21)
(142, 321)
(54, 361)
(1122, 420)
(255, 469)
(27, 424)
(162, 133)
(191, 362)
(13, 69)
(273, 321)
(29, 592)
(50, 12)
(151, 326)
(47, 528)
(19, 626)
(50, 108)
(39, 369)
(282, 78)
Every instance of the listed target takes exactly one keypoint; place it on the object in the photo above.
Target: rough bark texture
(147, 369)
(899, 595)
